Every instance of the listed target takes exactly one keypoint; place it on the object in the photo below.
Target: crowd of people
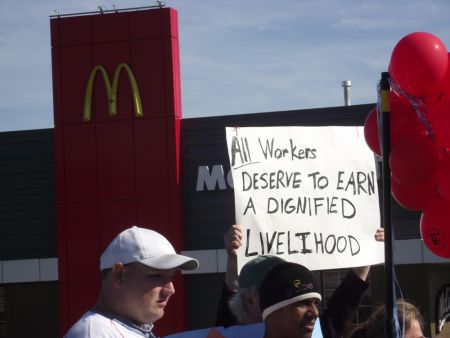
(139, 264)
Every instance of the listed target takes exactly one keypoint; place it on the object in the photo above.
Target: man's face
(296, 320)
(146, 292)
(414, 331)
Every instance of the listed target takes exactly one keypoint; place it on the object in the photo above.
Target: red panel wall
(115, 171)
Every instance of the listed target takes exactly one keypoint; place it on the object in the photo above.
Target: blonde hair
(373, 327)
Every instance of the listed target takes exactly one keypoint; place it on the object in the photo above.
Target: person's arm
(232, 241)
(343, 304)
(341, 308)
(363, 271)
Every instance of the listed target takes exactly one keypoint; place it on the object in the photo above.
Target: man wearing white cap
(137, 270)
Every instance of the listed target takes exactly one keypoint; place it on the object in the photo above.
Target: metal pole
(347, 85)
(390, 328)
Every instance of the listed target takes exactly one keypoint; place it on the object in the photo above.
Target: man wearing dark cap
(290, 301)
(137, 270)
(242, 292)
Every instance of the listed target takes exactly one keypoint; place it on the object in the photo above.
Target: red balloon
(413, 198)
(418, 64)
(435, 227)
(443, 90)
(403, 120)
(371, 132)
(446, 81)
(440, 121)
(414, 159)
(443, 176)
(439, 113)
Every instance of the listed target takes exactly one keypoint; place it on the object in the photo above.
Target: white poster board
(307, 194)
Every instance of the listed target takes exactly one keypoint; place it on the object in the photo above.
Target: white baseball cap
(146, 247)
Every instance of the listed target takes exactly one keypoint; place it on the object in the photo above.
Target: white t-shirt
(96, 325)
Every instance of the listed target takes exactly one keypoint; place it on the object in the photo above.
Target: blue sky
(236, 56)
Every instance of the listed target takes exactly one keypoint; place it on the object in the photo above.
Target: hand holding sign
(233, 241)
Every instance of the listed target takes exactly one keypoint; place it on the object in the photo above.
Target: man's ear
(117, 274)
(248, 298)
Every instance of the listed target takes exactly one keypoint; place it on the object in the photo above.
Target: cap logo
(299, 286)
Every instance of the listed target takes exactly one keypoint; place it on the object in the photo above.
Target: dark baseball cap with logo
(285, 284)
(254, 271)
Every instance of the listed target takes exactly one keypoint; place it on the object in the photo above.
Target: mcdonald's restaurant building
(120, 154)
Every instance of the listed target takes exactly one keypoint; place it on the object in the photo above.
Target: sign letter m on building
(111, 90)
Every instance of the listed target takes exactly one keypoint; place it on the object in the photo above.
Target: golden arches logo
(296, 283)
(111, 90)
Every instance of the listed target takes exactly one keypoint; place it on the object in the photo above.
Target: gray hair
(237, 304)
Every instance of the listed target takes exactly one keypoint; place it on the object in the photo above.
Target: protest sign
(238, 331)
(307, 194)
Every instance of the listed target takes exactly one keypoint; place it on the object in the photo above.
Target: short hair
(373, 327)
(105, 272)
(250, 280)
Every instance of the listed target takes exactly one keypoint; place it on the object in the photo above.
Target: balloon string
(418, 105)
(420, 108)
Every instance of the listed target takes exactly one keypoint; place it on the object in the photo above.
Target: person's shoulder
(91, 324)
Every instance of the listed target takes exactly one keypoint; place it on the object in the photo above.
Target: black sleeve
(224, 316)
(342, 306)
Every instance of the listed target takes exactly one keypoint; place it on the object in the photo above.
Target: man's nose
(314, 310)
(168, 289)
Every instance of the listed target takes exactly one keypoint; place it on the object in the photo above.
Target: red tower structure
(117, 114)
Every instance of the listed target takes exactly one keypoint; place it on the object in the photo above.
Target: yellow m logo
(111, 90)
